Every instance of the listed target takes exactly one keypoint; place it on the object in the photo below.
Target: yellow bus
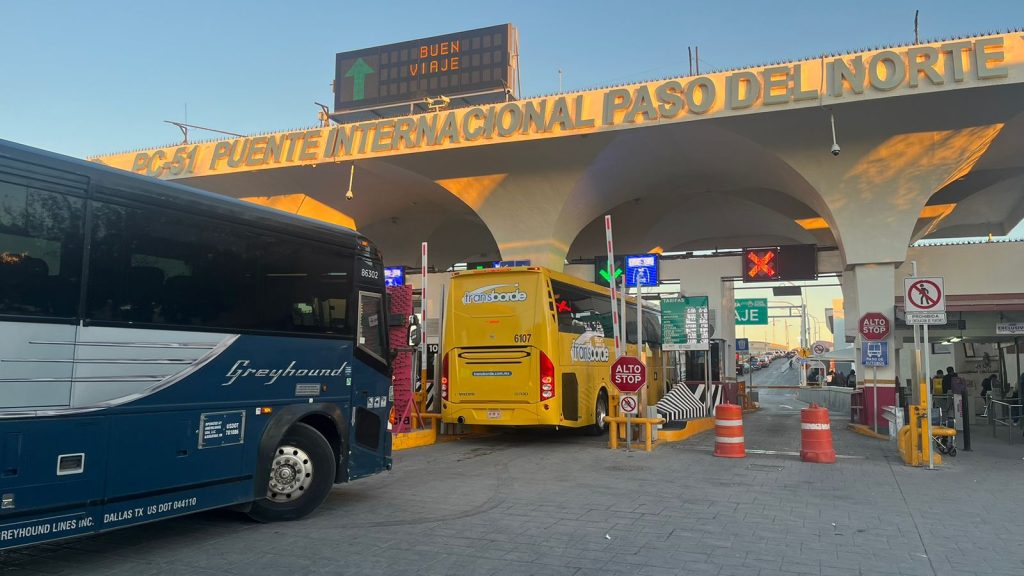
(529, 346)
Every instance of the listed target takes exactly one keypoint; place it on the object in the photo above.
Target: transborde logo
(489, 294)
(584, 350)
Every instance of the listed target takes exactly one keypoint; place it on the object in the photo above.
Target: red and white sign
(924, 295)
(874, 326)
(628, 404)
(629, 374)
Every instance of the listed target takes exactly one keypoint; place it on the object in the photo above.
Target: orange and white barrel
(729, 441)
(816, 436)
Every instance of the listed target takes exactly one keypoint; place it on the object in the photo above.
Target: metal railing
(1008, 418)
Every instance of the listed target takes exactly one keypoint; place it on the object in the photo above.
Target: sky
(88, 78)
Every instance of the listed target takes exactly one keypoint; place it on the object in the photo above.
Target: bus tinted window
(159, 267)
(306, 287)
(580, 310)
(41, 238)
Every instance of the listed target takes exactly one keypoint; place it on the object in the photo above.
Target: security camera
(349, 195)
(835, 150)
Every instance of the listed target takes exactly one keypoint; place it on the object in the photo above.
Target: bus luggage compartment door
(51, 464)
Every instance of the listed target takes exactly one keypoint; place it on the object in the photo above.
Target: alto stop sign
(874, 326)
(629, 374)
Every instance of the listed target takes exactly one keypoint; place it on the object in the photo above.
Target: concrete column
(872, 287)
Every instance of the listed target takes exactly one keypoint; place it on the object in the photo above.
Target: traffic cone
(816, 436)
(729, 431)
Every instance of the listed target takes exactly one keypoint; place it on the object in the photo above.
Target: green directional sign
(604, 274)
(751, 311)
(601, 270)
(358, 73)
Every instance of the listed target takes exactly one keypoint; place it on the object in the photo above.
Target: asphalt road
(778, 373)
(557, 503)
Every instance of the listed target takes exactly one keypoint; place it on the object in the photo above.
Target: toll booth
(695, 360)
(717, 355)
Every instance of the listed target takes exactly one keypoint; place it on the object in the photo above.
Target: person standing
(958, 386)
(840, 380)
(947, 380)
(986, 390)
(937, 382)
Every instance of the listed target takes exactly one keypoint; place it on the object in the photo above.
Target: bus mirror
(414, 332)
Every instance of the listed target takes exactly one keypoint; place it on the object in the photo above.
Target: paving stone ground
(549, 503)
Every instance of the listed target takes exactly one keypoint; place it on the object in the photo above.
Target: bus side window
(41, 239)
(156, 266)
(314, 300)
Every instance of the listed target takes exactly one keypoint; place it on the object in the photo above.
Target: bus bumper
(489, 415)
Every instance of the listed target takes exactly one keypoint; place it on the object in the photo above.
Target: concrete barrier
(837, 400)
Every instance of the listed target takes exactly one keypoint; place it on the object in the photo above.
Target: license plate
(494, 414)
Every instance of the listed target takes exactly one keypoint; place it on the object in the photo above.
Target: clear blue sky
(98, 77)
(86, 78)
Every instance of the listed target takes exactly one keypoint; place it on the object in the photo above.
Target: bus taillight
(444, 378)
(547, 377)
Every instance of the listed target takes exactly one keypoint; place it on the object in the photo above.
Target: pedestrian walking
(958, 386)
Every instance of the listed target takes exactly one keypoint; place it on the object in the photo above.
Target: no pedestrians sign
(924, 300)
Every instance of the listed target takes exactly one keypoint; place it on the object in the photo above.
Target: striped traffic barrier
(729, 431)
(816, 436)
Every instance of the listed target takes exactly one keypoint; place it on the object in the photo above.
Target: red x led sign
(775, 263)
(761, 265)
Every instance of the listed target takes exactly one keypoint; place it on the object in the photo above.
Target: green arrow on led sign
(604, 274)
(358, 73)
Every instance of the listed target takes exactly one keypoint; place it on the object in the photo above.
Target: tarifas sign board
(455, 64)
(862, 76)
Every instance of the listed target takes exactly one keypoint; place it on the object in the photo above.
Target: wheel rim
(291, 473)
(601, 412)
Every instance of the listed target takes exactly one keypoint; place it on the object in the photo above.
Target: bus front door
(367, 437)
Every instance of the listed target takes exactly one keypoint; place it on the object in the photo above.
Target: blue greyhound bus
(165, 350)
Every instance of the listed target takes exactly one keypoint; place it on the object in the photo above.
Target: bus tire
(300, 477)
(600, 411)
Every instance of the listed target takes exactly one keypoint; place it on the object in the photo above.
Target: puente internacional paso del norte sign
(820, 81)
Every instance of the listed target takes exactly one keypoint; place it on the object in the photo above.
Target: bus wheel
(600, 411)
(301, 476)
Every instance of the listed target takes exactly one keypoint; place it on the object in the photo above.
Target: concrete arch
(987, 200)
(693, 168)
(696, 221)
(395, 207)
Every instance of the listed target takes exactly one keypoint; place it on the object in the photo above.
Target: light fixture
(352, 174)
(955, 339)
(835, 145)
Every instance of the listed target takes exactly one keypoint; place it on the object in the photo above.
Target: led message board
(462, 63)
